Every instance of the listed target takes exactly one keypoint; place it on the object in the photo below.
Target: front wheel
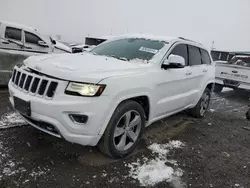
(124, 130)
(201, 108)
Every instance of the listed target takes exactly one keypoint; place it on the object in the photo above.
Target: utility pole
(212, 48)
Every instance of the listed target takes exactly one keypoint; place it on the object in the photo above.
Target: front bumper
(56, 113)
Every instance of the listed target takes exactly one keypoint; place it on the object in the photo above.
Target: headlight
(88, 90)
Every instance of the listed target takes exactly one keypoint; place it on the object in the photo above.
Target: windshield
(240, 60)
(129, 49)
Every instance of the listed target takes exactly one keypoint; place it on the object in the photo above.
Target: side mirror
(42, 43)
(174, 61)
(53, 42)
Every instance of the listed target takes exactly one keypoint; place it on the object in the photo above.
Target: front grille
(33, 83)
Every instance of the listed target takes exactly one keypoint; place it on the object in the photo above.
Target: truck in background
(17, 42)
(233, 74)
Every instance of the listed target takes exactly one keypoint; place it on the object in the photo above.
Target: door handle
(28, 47)
(204, 70)
(5, 42)
(188, 73)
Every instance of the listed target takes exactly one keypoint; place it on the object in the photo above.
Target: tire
(116, 132)
(218, 88)
(200, 110)
(248, 114)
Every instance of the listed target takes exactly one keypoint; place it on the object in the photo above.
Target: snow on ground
(152, 171)
(10, 167)
(226, 89)
(11, 120)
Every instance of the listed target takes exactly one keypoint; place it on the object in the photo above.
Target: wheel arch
(143, 99)
(209, 85)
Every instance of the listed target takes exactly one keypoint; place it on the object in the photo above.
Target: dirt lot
(216, 152)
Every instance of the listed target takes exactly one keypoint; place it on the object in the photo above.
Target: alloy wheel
(204, 103)
(127, 130)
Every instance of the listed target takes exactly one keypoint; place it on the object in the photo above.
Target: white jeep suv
(107, 96)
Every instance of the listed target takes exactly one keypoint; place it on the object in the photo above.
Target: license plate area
(231, 83)
(23, 107)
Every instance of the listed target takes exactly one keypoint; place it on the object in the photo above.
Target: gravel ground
(216, 152)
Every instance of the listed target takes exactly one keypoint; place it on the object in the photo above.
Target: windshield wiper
(120, 58)
(94, 53)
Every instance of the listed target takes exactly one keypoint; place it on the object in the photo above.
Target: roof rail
(189, 40)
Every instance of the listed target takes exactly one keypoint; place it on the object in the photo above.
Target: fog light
(78, 118)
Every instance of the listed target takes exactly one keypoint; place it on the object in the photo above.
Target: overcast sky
(227, 22)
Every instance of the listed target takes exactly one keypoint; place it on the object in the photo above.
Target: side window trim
(201, 56)
(168, 52)
(188, 55)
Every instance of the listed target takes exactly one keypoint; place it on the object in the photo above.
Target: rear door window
(194, 55)
(31, 38)
(13, 33)
(205, 57)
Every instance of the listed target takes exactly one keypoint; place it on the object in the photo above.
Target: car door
(207, 67)
(11, 52)
(196, 75)
(172, 90)
(32, 41)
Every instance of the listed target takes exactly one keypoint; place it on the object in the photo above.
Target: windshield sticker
(149, 50)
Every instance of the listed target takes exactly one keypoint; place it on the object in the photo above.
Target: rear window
(13, 33)
(240, 60)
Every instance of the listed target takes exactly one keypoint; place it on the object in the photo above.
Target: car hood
(82, 67)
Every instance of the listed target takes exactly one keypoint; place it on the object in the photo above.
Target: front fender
(119, 98)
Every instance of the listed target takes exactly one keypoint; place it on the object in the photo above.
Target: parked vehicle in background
(81, 48)
(107, 96)
(17, 42)
(233, 74)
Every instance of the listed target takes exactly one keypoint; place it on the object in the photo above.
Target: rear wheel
(201, 108)
(218, 88)
(124, 130)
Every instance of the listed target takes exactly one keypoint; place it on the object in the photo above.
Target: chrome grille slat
(34, 84)
(38, 86)
(17, 77)
(47, 87)
(42, 87)
(31, 83)
(13, 75)
(19, 80)
(25, 81)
